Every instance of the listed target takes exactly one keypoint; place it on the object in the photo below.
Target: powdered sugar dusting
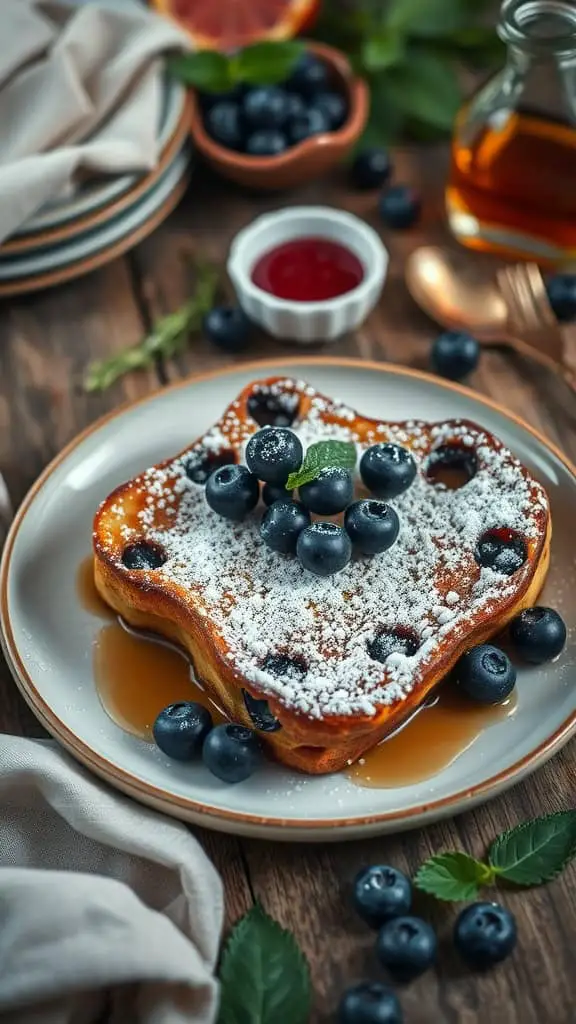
(263, 603)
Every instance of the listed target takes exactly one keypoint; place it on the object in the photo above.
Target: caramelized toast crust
(257, 625)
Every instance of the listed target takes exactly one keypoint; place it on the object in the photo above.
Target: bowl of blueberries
(275, 137)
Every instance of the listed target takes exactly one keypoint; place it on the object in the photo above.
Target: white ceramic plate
(48, 637)
(14, 268)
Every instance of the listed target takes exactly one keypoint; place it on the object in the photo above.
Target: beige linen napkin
(108, 911)
(80, 94)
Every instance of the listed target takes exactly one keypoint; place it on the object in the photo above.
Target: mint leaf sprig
(265, 63)
(410, 52)
(167, 338)
(532, 853)
(323, 455)
(264, 975)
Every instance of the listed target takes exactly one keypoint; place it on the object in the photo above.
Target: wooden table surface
(46, 341)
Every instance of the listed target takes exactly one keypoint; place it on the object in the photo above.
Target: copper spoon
(510, 308)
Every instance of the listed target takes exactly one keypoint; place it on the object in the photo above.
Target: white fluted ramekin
(307, 322)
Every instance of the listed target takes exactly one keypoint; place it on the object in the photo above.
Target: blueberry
(484, 934)
(143, 555)
(269, 410)
(399, 207)
(296, 105)
(324, 549)
(371, 168)
(392, 641)
(284, 665)
(501, 550)
(370, 1003)
(273, 453)
(333, 107)
(387, 470)
(486, 674)
(265, 107)
(371, 525)
(232, 753)
(224, 124)
(407, 946)
(275, 492)
(228, 327)
(312, 122)
(329, 493)
(266, 142)
(538, 634)
(381, 893)
(454, 354)
(259, 711)
(561, 290)
(180, 730)
(310, 76)
(200, 464)
(282, 524)
(232, 491)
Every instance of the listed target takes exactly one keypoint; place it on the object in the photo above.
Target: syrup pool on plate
(136, 674)
(308, 270)
(139, 674)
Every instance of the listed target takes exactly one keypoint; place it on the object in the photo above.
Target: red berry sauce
(308, 270)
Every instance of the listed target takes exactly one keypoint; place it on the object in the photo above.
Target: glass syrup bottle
(512, 183)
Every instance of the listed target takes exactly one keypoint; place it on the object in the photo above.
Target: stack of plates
(106, 217)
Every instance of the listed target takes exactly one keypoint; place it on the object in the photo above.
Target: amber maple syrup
(517, 182)
(436, 735)
(138, 674)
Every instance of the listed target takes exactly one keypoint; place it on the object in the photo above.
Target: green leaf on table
(426, 89)
(266, 63)
(428, 18)
(205, 69)
(382, 50)
(453, 876)
(323, 455)
(168, 337)
(264, 976)
(535, 851)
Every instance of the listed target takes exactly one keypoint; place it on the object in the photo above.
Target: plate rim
(172, 804)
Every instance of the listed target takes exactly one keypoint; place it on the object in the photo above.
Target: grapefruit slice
(231, 24)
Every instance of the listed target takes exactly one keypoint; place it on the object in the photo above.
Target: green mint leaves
(453, 876)
(265, 63)
(533, 852)
(264, 976)
(410, 52)
(167, 338)
(323, 455)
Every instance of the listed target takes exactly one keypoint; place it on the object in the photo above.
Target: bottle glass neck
(540, 29)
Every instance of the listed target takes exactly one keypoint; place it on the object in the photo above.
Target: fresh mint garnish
(453, 876)
(323, 455)
(533, 852)
(167, 338)
(264, 976)
(265, 63)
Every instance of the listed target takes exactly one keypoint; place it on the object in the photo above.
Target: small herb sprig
(322, 455)
(266, 63)
(533, 852)
(167, 338)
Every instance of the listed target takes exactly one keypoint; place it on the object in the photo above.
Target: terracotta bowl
(308, 159)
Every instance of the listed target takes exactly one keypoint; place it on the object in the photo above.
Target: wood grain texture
(45, 343)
